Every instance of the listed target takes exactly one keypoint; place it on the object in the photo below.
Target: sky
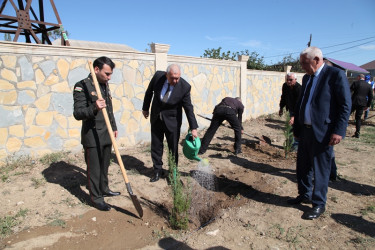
(343, 29)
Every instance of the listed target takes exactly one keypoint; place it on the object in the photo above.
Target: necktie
(304, 100)
(166, 95)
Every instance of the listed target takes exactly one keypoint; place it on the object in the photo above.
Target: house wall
(36, 102)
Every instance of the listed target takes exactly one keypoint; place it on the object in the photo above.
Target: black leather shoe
(156, 177)
(298, 200)
(102, 206)
(111, 193)
(313, 213)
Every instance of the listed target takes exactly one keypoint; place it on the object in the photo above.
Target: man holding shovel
(229, 109)
(94, 134)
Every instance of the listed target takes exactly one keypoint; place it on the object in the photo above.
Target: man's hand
(145, 113)
(291, 121)
(241, 131)
(100, 104)
(280, 112)
(115, 133)
(194, 133)
(335, 139)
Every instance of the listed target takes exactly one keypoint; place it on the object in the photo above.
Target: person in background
(169, 94)
(289, 95)
(361, 99)
(95, 137)
(368, 80)
(320, 122)
(229, 109)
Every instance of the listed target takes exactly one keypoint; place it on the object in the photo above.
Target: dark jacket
(330, 105)
(234, 104)
(362, 94)
(171, 111)
(94, 131)
(289, 97)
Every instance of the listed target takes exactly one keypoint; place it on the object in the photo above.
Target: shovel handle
(109, 126)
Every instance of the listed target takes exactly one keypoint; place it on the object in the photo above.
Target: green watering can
(191, 147)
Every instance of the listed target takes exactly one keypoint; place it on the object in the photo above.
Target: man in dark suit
(94, 134)
(361, 98)
(289, 95)
(170, 94)
(321, 118)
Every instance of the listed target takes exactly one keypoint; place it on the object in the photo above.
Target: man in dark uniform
(94, 134)
(361, 99)
(229, 109)
(169, 94)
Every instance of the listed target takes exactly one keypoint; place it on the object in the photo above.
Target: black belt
(307, 126)
(226, 106)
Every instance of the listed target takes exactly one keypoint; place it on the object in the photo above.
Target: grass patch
(54, 157)
(367, 210)
(364, 242)
(8, 222)
(36, 183)
(334, 199)
(15, 162)
(58, 223)
(146, 149)
(368, 135)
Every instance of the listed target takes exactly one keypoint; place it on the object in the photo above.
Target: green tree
(255, 60)
(218, 54)
(287, 60)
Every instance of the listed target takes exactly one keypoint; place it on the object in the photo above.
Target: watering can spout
(191, 147)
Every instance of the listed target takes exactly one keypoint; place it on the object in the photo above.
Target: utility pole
(309, 43)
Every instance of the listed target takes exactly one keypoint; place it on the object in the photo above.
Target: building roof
(96, 45)
(369, 65)
(347, 66)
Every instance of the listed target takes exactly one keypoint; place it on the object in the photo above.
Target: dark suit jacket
(289, 97)
(94, 130)
(330, 105)
(362, 94)
(171, 111)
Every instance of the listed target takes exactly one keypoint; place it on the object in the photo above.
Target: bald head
(173, 74)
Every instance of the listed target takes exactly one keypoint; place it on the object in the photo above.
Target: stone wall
(36, 83)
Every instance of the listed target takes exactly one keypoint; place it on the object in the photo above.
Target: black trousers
(158, 130)
(358, 116)
(314, 162)
(97, 161)
(221, 114)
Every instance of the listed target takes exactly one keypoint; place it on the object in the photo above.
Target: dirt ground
(245, 209)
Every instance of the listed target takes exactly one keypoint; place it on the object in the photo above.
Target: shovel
(263, 139)
(134, 198)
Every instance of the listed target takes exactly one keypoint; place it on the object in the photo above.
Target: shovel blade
(135, 200)
(266, 139)
(137, 205)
